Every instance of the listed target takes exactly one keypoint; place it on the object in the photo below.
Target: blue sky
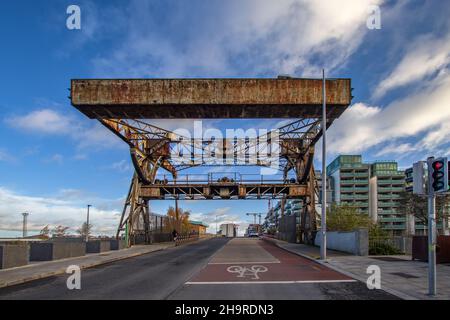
(53, 160)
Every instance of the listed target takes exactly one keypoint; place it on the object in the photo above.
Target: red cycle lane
(257, 261)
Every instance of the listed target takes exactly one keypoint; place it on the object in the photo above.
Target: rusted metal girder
(209, 98)
(224, 191)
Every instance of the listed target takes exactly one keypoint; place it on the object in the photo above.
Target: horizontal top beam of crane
(209, 98)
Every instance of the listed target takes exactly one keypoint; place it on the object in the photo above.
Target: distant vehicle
(253, 234)
(253, 230)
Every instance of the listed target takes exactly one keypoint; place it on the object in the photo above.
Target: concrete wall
(68, 250)
(47, 251)
(117, 244)
(354, 242)
(97, 246)
(13, 255)
(161, 237)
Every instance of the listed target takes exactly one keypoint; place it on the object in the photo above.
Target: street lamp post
(323, 224)
(216, 226)
(87, 223)
(25, 224)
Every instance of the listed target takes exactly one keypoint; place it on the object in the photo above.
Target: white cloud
(121, 166)
(398, 149)
(65, 209)
(435, 138)
(425, 56)
(5, 156)
(50, 122)
(44, 121)
(56, 158)
(220, 216)
(363, 126)
(210, 38)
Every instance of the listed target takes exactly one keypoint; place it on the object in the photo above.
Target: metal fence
(186, 238)
(401, 244)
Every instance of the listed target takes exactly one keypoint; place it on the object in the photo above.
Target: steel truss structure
(153, 148)
(126, 108)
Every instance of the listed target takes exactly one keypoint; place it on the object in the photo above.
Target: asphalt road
(211, 269)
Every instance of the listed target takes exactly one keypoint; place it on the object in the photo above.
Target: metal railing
(180, 239)
(223, 178)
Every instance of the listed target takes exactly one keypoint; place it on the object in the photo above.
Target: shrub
(382, 249)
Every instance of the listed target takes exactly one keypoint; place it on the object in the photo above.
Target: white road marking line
(270, 282)
(258, 262)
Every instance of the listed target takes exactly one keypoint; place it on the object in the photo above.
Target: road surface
(212, 269)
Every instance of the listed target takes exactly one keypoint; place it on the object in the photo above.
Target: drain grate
(405, 275)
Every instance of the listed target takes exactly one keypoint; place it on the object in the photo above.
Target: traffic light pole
(431, 232)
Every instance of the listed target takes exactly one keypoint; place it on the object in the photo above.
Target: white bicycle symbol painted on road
(244, 272)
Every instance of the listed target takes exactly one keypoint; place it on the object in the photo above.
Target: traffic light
(419, 180)
(439, 175)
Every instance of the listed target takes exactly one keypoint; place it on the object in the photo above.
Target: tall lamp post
(24, 225)
(87, 223)
(323, 220)
(216, 227)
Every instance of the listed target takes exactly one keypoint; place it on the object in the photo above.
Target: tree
(346, 218)
(179, 222)
(45, 232)
(84, 230)
(59, 231)
(417, 205)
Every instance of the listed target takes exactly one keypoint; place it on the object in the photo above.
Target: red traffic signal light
(438, 165)
(439, 175)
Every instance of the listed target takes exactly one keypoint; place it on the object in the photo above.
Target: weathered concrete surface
(13, 255)
(209, 98)
(47, 251)
(354, 242)
(97, 246)
(117, 244)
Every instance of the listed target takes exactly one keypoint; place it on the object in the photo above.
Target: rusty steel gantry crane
(126, 107)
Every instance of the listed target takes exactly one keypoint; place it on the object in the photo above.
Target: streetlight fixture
(87, 223)
(24, 224)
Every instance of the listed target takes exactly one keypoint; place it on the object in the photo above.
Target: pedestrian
(174, 235)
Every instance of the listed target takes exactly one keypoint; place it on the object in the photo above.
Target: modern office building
(292, 207)
(372, 188)
(349, 182)
(386, 186)
(409, 179)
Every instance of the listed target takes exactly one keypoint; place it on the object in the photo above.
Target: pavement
(217, 269)
(148, 276)
(39, 270)
(400, 275)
